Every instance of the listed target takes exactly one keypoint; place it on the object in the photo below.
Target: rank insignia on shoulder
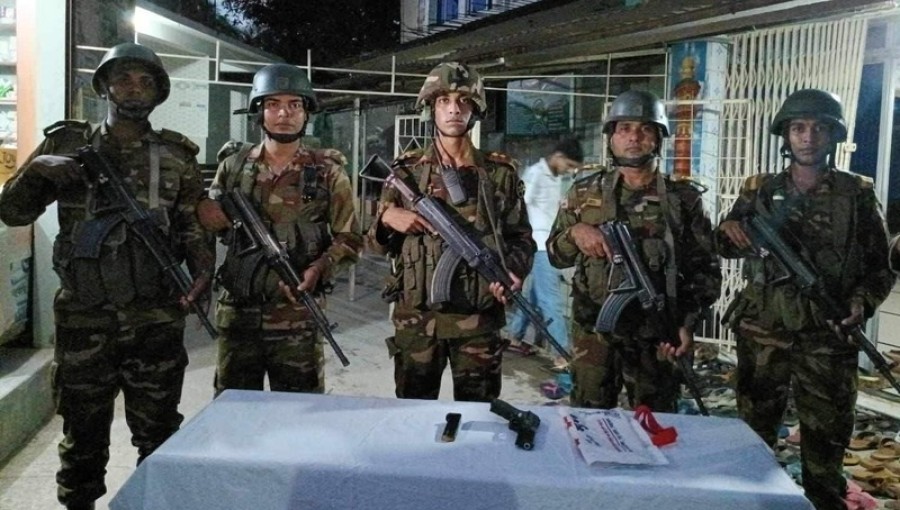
(520, 189)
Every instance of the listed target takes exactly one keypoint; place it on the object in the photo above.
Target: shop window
(443, 11)
(474, 6)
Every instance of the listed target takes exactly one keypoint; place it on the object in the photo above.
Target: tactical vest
(419, 254)
(592, 280)
(97, 257)
(779, 304)
(245, 273)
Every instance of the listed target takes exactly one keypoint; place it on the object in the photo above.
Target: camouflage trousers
(293, 360)
(96, 357)
(602, 363)
(420, 359)
(822, 373)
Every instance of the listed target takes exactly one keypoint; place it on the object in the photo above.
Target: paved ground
(27, 481)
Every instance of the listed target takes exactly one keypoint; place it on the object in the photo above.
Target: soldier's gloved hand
(211, 215)
(60, 170)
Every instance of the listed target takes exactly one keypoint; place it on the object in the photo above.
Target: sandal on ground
(857, 499)
(521, 348)
(865, 440)
(893, 467)
(869, 463)
(885, 453)
(552, 390)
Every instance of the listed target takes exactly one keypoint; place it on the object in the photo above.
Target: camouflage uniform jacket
(494, 211)
(308, 208)
(125, 277)
(670, 229)
(838, 227)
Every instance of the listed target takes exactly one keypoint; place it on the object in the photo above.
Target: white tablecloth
(262, 450)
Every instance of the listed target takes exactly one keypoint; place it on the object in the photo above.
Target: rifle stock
(768, 242)
(243, 216)
(637, 284)
(141, 223)
(460, 246)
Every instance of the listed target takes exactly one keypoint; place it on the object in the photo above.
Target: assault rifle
(461, 246)
(768, 243)
(637, 284)
(140, 222)
(523, 423)
(245, 218)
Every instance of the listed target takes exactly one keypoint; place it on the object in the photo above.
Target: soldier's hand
(857, 309)
(686, 344)
(405, 222)
(198, 292)
(287, 292)
(590, 240)
(211, 215)
(497, 290)
(735, 233)
(60, 170)
(311, 277)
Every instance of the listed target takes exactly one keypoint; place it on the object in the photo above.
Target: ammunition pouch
(246, 275)
(103, 261)
(465, 289)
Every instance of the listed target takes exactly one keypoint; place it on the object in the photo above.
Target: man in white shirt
(544, 183)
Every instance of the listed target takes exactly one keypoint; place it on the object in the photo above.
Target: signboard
(539, 106)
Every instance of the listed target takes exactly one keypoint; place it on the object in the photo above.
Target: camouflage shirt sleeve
(519, 246)
(26, 195)
(198, 244)
(743, 206)
(561, 248)
(380, 239)
(876, 278)
(347, 240)
(700, 276)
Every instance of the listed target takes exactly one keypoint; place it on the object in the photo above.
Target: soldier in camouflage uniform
(119, 324)
(488, 199)
(305, 197)
(783, 342)
(673, 235)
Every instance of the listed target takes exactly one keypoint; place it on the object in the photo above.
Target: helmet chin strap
(283, 137)
(828, 161)
(633, 162)
(132, 110)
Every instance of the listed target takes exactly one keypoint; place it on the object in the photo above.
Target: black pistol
(523, 423)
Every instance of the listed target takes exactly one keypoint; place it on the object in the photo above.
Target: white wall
(41, 101)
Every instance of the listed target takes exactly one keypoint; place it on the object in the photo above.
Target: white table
(252, 450)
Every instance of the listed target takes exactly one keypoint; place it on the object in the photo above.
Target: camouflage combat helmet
(137, 53)
(281, 79)
(812, 104)
(452, 77)
(640, 106)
